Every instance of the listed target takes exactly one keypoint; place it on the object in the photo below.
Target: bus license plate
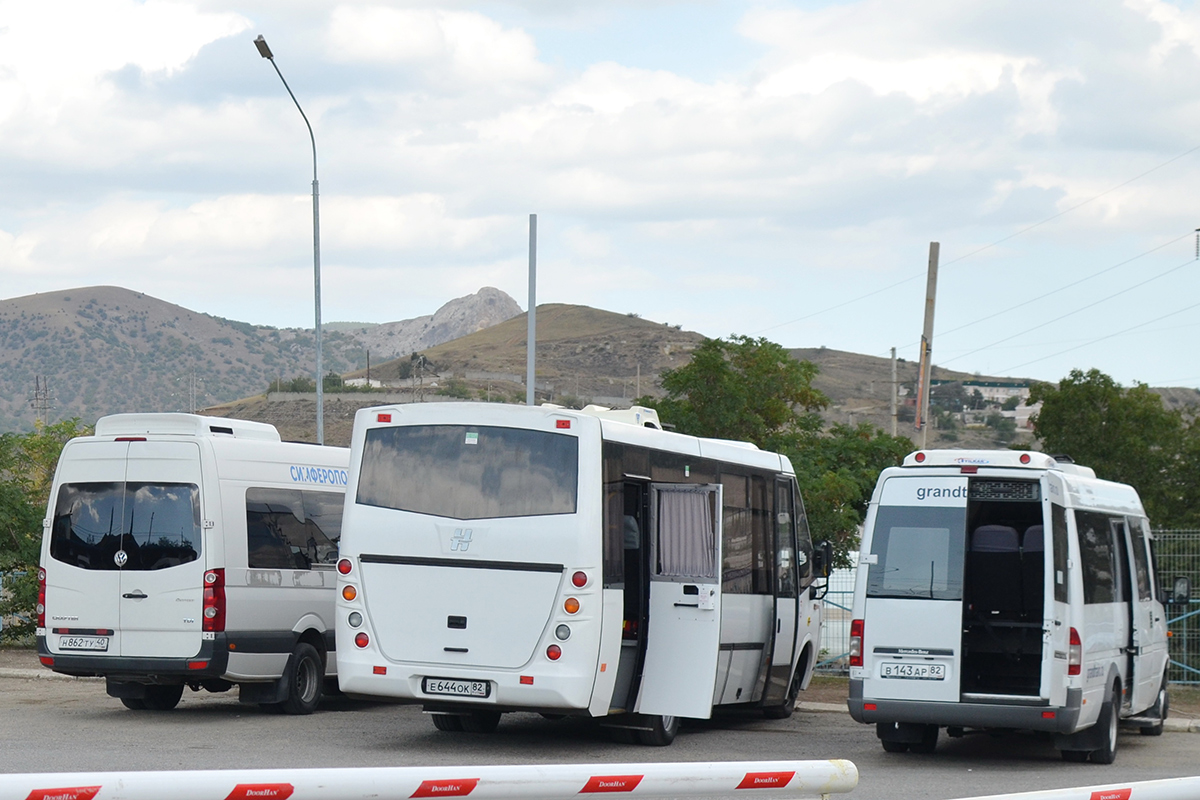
(918, 672)
(83, 643)
(457, 688)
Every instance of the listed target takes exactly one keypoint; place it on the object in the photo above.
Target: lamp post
(265, 52)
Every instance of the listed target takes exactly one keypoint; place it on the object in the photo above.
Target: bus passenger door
(786, 584)
(683, 632)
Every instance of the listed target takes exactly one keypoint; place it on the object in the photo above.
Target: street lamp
(265, 52)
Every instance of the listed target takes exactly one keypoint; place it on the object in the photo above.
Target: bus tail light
(579, 579)
(344, 566)
(214, 600)
(554, 652)
(41, 603)
(1074, 653)
(856, 642)
(571, 606)
(349, 592)
(361, 639)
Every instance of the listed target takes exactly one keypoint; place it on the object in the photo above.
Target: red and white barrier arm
(765, 779)
(1166, 789)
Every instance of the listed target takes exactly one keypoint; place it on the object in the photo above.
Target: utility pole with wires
(922, 420)
(41, 400)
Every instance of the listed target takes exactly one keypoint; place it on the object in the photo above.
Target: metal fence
(1178, 556)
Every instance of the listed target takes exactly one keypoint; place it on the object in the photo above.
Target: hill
(105, 349)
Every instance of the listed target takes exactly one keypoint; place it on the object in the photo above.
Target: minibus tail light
(571, 605)
(579, 579)
(856, 642)
(554, 652)
(349, 592)
(344, 566)
(1074, 654)
(41, 603)
(361, 640)
(214, 600)
(919, 458)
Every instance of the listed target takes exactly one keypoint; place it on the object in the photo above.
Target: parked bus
(183, 550)
(1007, 590)
(508, 558)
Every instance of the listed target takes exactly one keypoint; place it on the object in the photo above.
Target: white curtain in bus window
(687, 546)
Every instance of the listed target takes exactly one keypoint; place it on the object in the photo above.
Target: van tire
(480, 721)
(451, 723)
(891, 746)
(304, 680)
(662, 730)
(134, 703)
(162, 698)
(1162, 707)
(1109, 718)
(928, 742)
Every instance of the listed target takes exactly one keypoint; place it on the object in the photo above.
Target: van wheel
(928, 742)
(662, 730)
(1161, 707)
(134, 703)
(163, 698)
(1075, 756)
(1109, 715)
(480, 721)
(451, 723)
(304, 679)
(894, 747)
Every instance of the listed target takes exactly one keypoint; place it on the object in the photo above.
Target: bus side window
(1099, 561)
(291, 529)
(1058, 533)
(614, 544)
(785, 542)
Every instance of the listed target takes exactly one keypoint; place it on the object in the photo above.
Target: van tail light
(214, 600)
(1074, 654)
(41, 603)
(856, 642)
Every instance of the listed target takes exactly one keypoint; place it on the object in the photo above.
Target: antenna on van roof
(1062, 458)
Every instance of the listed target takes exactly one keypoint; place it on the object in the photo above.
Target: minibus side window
(1058, 532)
(292, 529)
(1137, 533)
(1097, 556)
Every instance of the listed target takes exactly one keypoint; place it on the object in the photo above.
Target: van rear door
(161, 591)
(912, 637)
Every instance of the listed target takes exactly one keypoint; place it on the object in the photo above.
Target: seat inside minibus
(1003, 590)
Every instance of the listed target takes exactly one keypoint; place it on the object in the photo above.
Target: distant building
(374, 384)
(992, 391)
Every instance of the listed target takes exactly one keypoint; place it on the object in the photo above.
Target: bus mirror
(1181, 592)
(823, 559)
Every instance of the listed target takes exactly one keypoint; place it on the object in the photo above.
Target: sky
(773, 169)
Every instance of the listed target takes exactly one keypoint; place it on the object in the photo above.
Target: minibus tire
(480, 721)
(1162, 707)
(662, 730)
(1109, 714)
(304, 680)
(891, 746)
(163, 698)
(928, 742)
(789, 705)
(451, 723)
(134, 703)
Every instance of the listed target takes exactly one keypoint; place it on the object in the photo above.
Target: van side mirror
(823, 559)
(1181, 592)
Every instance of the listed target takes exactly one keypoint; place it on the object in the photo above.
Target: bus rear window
(918, 553)
(469, 471)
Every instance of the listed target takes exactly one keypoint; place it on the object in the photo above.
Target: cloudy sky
(774, 169)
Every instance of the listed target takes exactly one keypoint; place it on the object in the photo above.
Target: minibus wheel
(1161, 707)
(163, 698)
(662, 730)
(304, 680)
(134, 703)
(1109, 714)
(451, 723)
(480, 721)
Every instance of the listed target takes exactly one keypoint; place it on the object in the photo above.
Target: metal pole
(265, 52)
(893, 403)
(531, 332)
(927, 342)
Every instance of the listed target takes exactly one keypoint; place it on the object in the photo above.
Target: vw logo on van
(121, 557)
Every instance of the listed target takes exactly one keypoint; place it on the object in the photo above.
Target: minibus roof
(172, 424)
(1013, 459)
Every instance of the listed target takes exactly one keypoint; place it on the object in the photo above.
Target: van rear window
(469, 471)
(129, 526)
(918, 553)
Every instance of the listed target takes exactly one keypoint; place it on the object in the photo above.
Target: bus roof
(1015, 459)
(173, 424)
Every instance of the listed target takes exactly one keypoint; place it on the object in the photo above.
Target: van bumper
(210, 662)
(1055, 719)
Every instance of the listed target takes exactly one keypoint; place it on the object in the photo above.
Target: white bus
(189, 551)
(1007, 590)
(507, 558)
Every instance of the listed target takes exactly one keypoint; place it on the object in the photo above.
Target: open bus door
(683, 635)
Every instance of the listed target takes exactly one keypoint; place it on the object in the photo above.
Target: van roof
(1014, 459)
(173, 424)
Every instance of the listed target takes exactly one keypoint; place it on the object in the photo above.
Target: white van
(182, 550)
(1006, 590)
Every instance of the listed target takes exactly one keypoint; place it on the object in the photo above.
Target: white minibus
(182, 550)
(1006, 590)
(503, 558)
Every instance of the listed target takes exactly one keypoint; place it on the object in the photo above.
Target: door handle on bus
(687, 605)
(138, 595)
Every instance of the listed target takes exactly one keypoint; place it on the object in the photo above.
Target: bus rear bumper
(1053, 719)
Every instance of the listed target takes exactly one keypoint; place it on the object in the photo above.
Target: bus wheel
(305, 679)
(163, 698)
(928, 742)
(1109, 720)
(134, 703)
(480, 721)
(451, 723)
(789, 705)
(662, 730)
(1161, 707)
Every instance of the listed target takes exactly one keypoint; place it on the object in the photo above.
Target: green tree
(1124, 434)
(752, 390)
(27, 463)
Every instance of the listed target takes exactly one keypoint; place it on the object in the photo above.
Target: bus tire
(662, 730)
(1162, 707)
(451, 723)
(789, 705)
(1109, 719)
(134, 703)
(892, 746)
(480, 721)
(304, 680)
(162, 698)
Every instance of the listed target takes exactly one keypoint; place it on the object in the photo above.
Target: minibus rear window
(469, 471)
(918, 553)
(130, 526)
